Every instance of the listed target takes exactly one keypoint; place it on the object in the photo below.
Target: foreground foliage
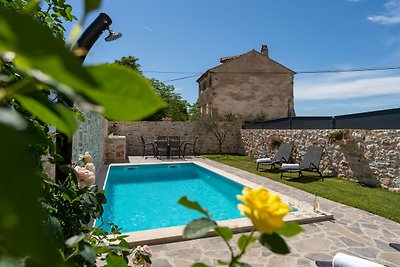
(264, 209)
(375, 200)
(43, 223)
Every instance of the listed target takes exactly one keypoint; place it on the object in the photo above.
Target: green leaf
(37, 48)
(243, 264)
(225, 232)
(7, 261)
(55, 230)
(88, 254)
(74, 240)
(115, 261)
(274, 243)
(124, 94)
(21, 214)
(91, 5)
(146, 256)
(55, 115)
(200, 264)
(101, 249)
(198, 228)
(123, 243)
(221, 262)
(101, 198)
(193, 205)
(243, 241)
(12, 119)
(68, 14)
(290, 229)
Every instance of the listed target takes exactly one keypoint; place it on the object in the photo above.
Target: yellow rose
(263, 208)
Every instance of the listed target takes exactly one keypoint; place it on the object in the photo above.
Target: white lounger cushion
(344, 260)
(264, 160)
(287, 166)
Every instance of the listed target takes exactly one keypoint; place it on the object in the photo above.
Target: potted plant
(338, 135)
(274, 141)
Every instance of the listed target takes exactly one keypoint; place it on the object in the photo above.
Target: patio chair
(147, 146)
(310, 162)
(161, 147)
(174, 146)
(281, 156)
(190, 145)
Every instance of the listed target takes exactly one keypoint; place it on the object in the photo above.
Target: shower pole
(84, 43)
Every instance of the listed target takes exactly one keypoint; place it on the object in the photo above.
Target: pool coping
(305, 215)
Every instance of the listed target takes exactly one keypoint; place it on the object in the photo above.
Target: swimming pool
(143, 197)
(305, 213)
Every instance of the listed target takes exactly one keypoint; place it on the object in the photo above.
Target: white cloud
(390, 16)
(339, 86)
(345, 106)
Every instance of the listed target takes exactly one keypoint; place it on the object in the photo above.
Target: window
(204, 84)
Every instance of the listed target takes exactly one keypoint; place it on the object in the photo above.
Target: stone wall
(369, 156)
(188, 131)
(90, 137)
(115, 148)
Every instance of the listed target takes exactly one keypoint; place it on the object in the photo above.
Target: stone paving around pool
(353, 232)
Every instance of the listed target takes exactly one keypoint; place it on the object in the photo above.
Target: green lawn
(375, 200)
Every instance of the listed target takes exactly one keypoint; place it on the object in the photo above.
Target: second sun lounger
(310, 162)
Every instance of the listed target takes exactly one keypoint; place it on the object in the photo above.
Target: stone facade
(369, 156)
(252, 85)
(90, 137)
(188, 131)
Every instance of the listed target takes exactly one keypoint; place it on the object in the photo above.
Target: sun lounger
(281, 156)
(344, 260)
(310, 162)
(395, 246)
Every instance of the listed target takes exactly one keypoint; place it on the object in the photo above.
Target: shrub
(338, 135)
(274, 141)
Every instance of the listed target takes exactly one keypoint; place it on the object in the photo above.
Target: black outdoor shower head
(112, 35)
(93, 32)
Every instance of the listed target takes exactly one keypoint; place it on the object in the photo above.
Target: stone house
(251, 84)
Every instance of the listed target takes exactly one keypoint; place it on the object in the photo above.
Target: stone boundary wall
(369, 156)
(188, 131)
(115, 148)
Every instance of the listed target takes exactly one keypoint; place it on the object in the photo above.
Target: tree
(130, 62)
(53, 14)
(194, 111)
(219, 128)
(177, 108)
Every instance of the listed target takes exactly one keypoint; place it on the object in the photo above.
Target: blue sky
(189, 37)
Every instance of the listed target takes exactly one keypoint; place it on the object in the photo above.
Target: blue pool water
(142, 197)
